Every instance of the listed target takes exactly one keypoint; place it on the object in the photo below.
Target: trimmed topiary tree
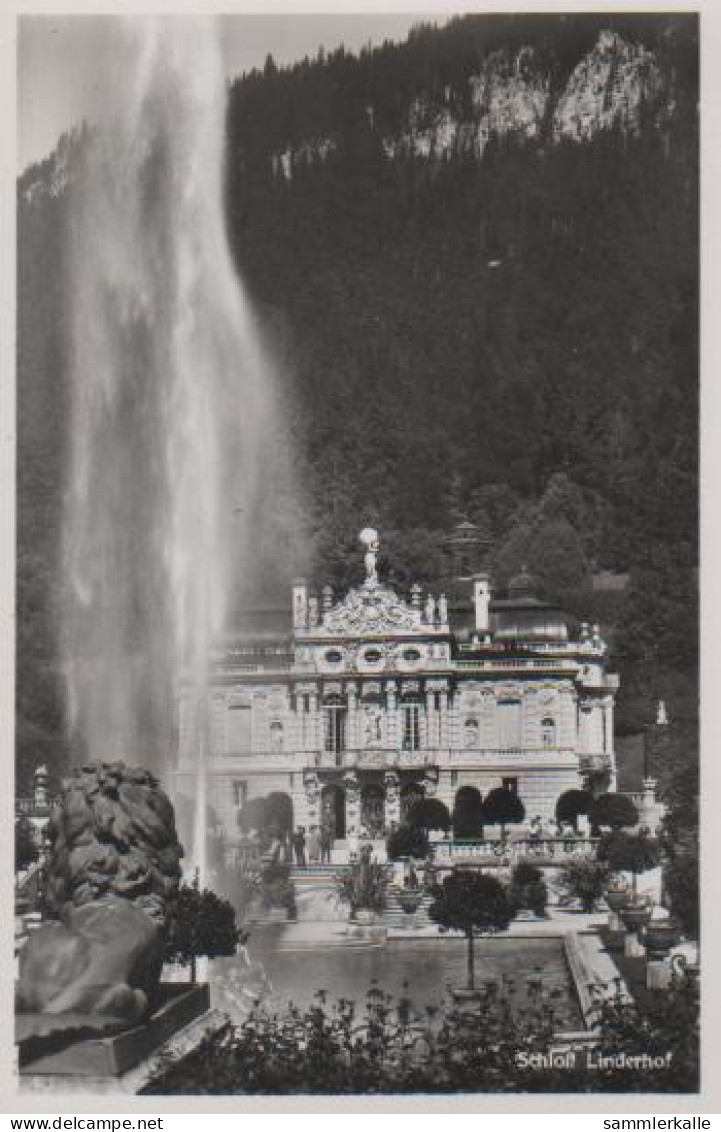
(468, 814)
(613, 811)
(473, 903)
(429, 813)
(629, 853)
(407, 841)
(502, 807)
(276, 888)
(200, 923)
(572, 804)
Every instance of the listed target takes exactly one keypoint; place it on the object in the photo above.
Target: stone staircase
(314, 875)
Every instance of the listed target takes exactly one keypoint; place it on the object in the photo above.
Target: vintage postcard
(357, 557)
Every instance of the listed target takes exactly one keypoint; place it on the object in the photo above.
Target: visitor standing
(325, 843)
(299, 846)
(313, 845)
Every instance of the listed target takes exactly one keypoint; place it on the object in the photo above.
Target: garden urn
(660, 936)
(409, 899)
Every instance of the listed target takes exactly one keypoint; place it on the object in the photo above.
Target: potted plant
(363, 888)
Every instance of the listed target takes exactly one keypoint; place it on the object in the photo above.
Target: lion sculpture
(113, 870)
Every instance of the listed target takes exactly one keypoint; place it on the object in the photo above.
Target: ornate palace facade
(357, 706)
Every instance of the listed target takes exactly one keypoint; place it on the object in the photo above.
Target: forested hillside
(475, 257)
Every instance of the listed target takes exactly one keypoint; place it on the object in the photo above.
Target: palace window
(335, 719)
(548, 732)
(411, 726)
(508, 716)
(470, 732)
(239, 727)
(240, 794)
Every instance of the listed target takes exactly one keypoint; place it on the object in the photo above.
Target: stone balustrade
(555, 848)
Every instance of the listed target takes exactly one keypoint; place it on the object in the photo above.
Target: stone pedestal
(616, 939)
(658, 974)
(615, 923)
(632, 946)
(119, 1063)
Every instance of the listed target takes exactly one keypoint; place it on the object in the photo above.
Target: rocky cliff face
(608, 88)
(511, 97)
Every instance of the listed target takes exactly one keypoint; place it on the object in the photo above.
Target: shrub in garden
(528, 889)
(584, 879)
(363, 886)
(681, 882)
(276, 887)
(390, 1048)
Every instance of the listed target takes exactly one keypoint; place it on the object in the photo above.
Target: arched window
(548, 732)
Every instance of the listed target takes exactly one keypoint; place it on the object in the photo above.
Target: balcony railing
(368, 758)
(489, 851)
(517, 663)
(431, 756)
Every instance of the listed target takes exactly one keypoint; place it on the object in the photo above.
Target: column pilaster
(353, 740)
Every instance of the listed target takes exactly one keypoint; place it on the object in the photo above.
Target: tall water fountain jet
(172, 405)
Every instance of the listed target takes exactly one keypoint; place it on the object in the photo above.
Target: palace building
(355, 706)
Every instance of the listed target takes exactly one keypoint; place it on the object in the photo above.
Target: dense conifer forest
(509, 338)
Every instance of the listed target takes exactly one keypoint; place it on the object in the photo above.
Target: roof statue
(369, 538)
(371, 608)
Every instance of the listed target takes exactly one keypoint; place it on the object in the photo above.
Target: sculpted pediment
(371, 609)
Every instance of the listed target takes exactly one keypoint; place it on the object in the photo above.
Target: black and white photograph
(357, 556)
